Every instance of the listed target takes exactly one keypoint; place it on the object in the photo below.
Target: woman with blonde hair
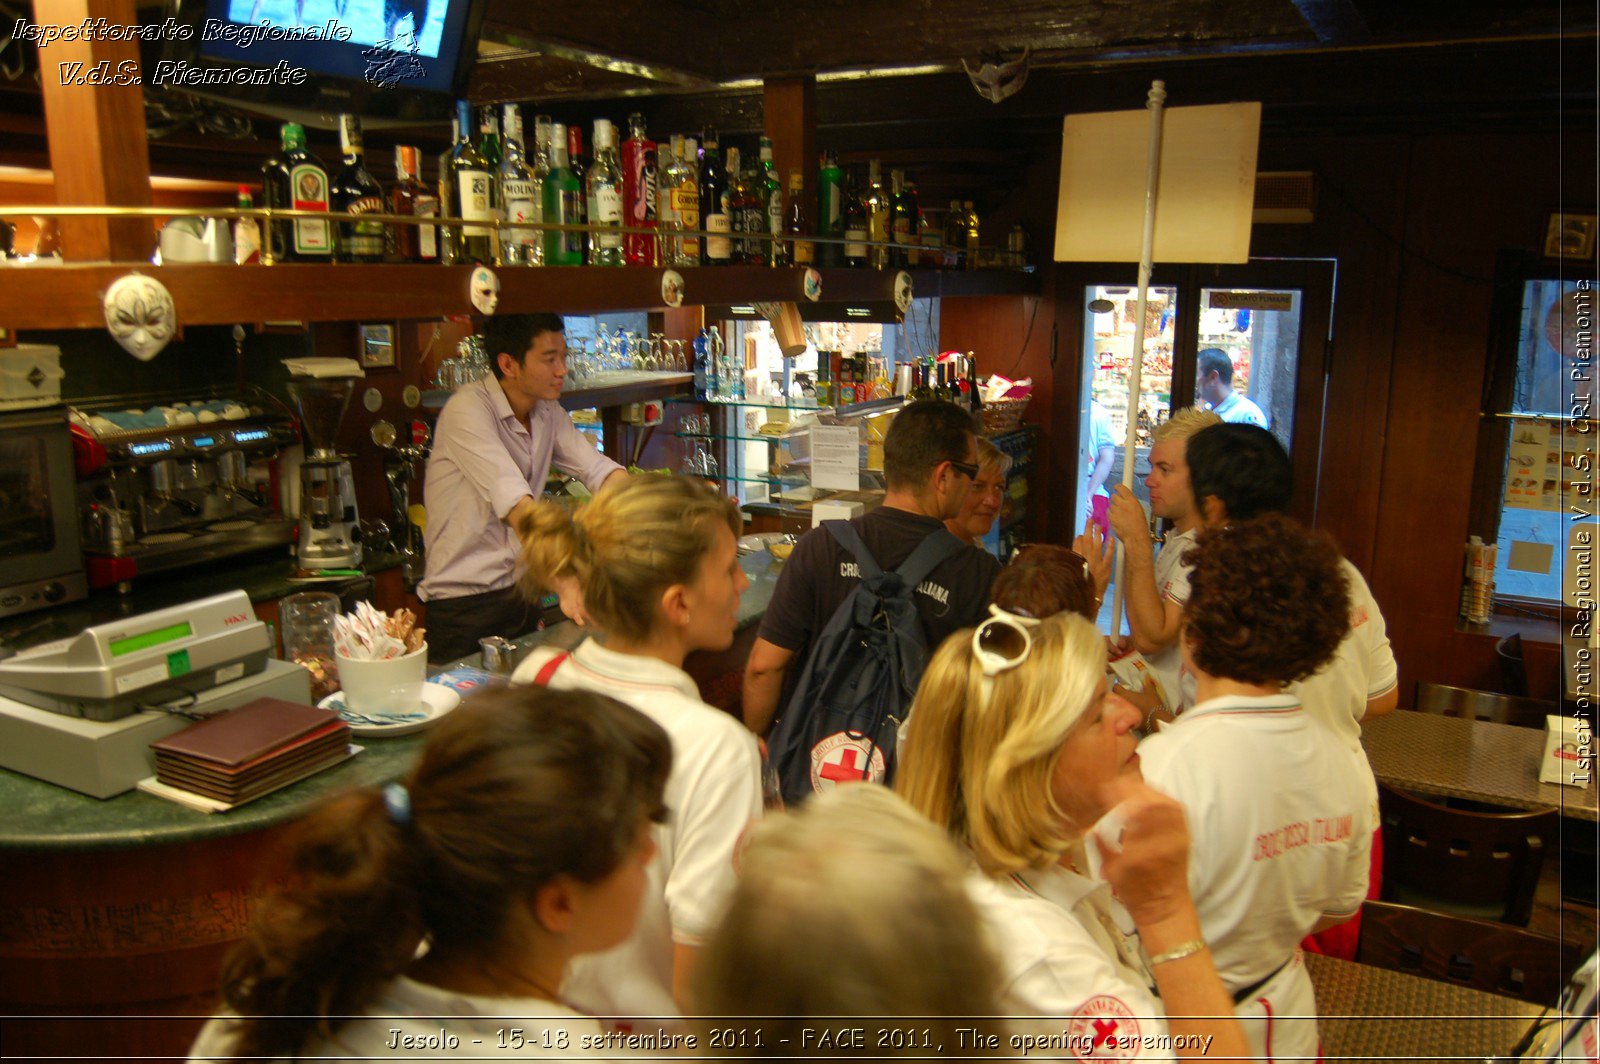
(518, 842)
(981, 507)
(1015, 749)
(901, 936)
(656, 558)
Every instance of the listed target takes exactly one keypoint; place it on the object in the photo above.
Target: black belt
(1241, 996)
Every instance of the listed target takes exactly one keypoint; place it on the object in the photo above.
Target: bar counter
(125, 907)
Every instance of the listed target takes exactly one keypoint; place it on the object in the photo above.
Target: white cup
(392, 686)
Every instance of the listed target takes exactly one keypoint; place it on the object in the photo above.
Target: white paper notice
(836, 457)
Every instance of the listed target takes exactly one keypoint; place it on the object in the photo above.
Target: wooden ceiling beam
(665, 40)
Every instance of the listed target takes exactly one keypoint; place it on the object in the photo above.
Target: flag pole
(1154, 102)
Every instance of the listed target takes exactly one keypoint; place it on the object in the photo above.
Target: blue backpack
(861, 673)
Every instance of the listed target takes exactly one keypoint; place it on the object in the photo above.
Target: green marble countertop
(43, 816)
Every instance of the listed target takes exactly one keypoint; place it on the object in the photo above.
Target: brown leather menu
(251, 731)
(311, 746)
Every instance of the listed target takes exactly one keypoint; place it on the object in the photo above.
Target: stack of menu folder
(252, 750)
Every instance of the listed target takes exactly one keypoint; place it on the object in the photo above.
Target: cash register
(82, 711)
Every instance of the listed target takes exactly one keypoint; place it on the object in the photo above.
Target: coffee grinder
(330, 532)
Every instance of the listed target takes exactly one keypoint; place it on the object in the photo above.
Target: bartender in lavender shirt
(494, 444)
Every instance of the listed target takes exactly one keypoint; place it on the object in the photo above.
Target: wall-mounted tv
(380, 58)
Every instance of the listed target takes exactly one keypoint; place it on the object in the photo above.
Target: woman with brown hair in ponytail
(421, 915)
(656, 558)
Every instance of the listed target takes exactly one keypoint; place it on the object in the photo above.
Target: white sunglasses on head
(1002, 641)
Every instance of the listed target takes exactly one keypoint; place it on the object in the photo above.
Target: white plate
(437, 700)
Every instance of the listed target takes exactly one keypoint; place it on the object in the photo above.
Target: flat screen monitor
(374, 57)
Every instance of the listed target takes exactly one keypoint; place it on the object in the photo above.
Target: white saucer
(437, 700)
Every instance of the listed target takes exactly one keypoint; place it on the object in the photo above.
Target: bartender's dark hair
(513, 334)
(637, 537)
(922, 435)
(518, 786)
(1268, 600)
(1242, 466)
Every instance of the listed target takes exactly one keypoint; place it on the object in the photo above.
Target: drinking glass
(306, 620)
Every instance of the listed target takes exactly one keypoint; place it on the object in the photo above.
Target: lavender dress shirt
(484, 459)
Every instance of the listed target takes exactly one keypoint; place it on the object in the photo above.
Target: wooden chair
(1484, 705)
(1473, 953)
(1483, 865)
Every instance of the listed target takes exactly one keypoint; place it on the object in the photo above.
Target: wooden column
(97, 134)
(789, 114)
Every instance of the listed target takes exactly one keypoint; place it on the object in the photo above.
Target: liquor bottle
(749, 213)
(605, 197)
(798, 222)
(521, 196)
(973, 235)
(718, 250)
(830, 209)
(297, 181)
(539, 163)
(902, 219)
(246, 231)
(929, 236)
(355, 192)
(448, 237)
(877, 201)
(640, 179)
(667, 221)
(857, 224)
(579, 164)
(561, 199)
(955, 237)
(470, 184)
(489, 146)
(413, 243)
(733, 161)
(680, 198)
(770, 192)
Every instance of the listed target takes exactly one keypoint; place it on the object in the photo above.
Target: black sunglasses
(971, 471)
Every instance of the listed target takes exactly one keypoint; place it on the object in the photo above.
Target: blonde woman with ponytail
(656, 559)
(518, 842)
(1016, 750)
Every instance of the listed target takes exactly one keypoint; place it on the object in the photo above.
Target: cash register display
(153, 638)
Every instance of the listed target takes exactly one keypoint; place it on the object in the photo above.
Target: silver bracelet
(1178, 952)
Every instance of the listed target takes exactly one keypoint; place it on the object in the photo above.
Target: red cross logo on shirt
(1104, 1028)
(845, 758)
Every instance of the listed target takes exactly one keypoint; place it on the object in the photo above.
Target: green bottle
(830, 209)
(562, 195)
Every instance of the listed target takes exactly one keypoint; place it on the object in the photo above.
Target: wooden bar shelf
(69, 296)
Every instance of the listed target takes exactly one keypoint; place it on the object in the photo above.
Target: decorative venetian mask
(902, 291)
(484, 288)
(999, 79)
(140, 315)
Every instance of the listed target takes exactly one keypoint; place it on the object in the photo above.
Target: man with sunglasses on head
(930, 460)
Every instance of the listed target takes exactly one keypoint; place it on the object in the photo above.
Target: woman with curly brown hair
(518, 842)
(1281, 820)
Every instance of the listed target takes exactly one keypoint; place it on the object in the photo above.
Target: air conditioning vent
(1289, 197)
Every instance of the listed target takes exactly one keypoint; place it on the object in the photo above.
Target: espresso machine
(171, 481)
(330, 530)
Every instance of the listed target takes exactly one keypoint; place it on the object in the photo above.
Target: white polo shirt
(1064, 968)
(1362, 669)
(712, 795)
(407, 1009)
(1172, 582)
(1281, 827)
